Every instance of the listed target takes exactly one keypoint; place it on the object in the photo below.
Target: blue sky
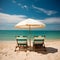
(13, 11)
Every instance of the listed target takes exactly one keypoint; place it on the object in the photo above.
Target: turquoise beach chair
(21, 42)
(38, 43)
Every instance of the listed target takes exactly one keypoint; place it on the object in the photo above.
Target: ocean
(7, 35)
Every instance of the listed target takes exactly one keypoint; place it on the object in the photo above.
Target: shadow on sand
(48, 50)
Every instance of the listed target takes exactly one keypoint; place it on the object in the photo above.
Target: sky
(14, 11)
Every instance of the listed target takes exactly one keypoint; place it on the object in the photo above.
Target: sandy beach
(7, 52)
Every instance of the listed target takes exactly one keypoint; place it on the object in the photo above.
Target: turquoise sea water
(11, 34)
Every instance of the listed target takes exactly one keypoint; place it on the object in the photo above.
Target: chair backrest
(21, 39)
(38, 40)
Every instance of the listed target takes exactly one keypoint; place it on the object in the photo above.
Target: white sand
(7, 52)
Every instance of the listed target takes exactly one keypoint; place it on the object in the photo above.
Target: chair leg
(33, 47)
(15, 48)
(19, 47)
(44, 47)
(26, 48)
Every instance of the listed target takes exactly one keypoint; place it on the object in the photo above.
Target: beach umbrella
(30, 24)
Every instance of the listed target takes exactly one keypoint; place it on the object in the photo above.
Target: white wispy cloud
(8, 21)
(48, 12)
(7, 18)
(24, 6)
(1, 9)
(14, 1)
(20, 5)
(52, 20)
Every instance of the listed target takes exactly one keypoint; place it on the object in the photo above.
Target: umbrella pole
(30, 35)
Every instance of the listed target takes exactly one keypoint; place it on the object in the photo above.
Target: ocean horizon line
(35, 30)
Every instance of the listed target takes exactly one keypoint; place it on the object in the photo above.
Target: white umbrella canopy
(30, 23)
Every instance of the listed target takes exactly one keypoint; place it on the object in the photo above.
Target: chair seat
(22, 41)
(22, 44)
(38, 41)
